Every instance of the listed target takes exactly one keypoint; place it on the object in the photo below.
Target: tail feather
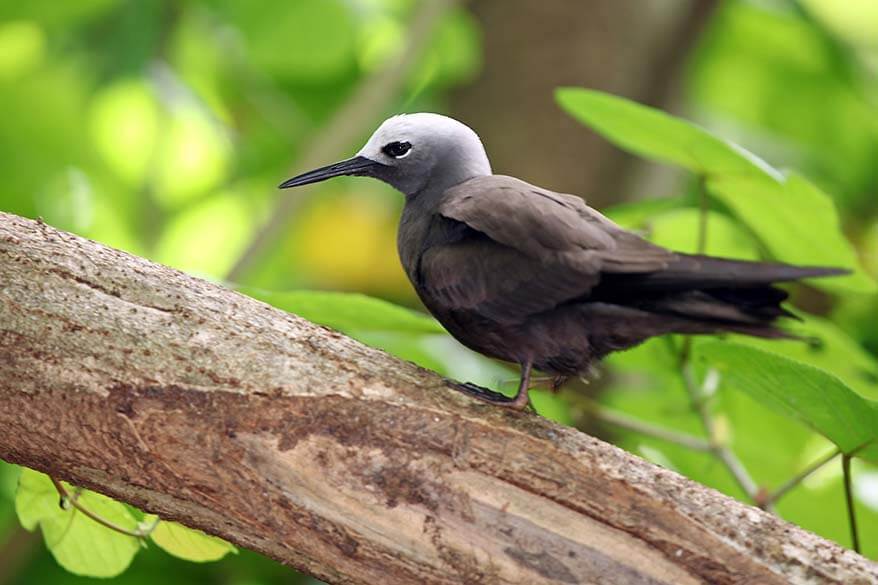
(702, 294)
(704, 272)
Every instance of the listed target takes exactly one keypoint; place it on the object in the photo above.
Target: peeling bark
(216, 410)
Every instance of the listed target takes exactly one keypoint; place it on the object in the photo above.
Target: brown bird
(526, 275)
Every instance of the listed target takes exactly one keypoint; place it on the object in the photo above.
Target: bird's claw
(488, 395)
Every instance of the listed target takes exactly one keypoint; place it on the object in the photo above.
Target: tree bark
(213, 409)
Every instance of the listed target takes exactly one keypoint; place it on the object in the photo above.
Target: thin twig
(696, 394)
(74, 501)
(633, 424)
(849, 501)
(797, 479)
(721, 451)
(701, 245)
(355, 118)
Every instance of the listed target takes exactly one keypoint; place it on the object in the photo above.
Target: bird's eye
(397, 149)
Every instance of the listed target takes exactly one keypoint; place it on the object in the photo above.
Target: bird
(526, 275)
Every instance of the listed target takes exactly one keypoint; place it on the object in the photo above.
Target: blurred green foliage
(161, 127)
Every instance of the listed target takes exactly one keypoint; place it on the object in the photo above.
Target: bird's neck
(417, 222)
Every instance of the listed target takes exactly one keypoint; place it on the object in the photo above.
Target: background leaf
(812, 396)
(187, 543)
(78, 543)
(659, 136)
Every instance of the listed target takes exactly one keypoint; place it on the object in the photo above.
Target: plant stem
(849, 500)
(633, 424)
(74, 501)
(797, 479)
(701, 244)
(722, 452)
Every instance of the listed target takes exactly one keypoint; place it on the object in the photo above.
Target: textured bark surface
(204, 406)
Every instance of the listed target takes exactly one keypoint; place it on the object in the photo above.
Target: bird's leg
(522, 399)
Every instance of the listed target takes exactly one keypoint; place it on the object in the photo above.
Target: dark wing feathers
(538, 249)
(550, 226)
(496, 280)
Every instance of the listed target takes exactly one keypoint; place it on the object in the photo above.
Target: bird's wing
(551, 227)
(496, 281)
(528, 250)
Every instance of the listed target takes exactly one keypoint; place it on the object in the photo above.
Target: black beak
(359, 165)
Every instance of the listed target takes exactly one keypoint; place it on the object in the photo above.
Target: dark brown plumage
(526, 275)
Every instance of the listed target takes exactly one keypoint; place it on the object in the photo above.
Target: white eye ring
(408, 152)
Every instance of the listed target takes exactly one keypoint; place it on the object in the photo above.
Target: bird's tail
(729, 295)
(692, 271)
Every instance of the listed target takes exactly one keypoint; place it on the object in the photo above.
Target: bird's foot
(491, 396)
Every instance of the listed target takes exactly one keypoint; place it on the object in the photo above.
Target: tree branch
(204, 406)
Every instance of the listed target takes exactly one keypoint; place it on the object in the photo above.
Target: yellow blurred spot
(723, 430)
(349, 242)
(854, 20)
(22, 46)
(124, 122)
(207, 238)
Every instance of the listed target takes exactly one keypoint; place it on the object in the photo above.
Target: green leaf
(810, 395)
(831, 350)
(348, 312)
(656, 135)
(35, 499)
(187, 543)
(78, 543)
(797, 222)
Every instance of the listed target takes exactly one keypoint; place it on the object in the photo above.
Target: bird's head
(412, 152)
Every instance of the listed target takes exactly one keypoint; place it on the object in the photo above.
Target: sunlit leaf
(78, 543)
(856, 20)
(810, 395)
(190, 544)
(35, 499)
(654, 134)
